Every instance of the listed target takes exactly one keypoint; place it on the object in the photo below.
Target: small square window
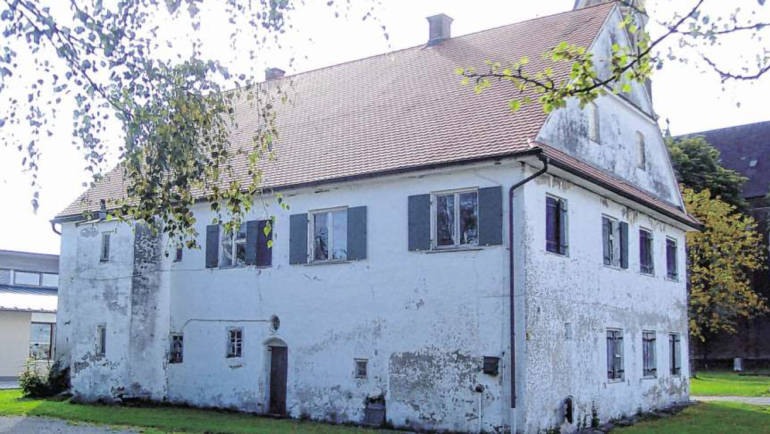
(361, 368)
(104, 254)
(176, 352)
(234, 342)
(491, 365)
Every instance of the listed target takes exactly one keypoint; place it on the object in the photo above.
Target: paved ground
(34, 425)
(743, 399)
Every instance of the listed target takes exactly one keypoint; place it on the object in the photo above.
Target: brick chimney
(274, 73)
(440, 28)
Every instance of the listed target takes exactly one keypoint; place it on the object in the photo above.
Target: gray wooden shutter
(623, 245)
(298, 239)
(357, 233)
(264, 251)
(491, 216)
(564, 243)
(606, 231)
(419, 222)
(212, 246)
(252, 230)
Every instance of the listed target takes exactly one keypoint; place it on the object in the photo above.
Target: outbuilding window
(674, 343)
(234, 342)
(41, 341)
(556, 225)
(615, 354)
(648, 354)
(646, 264)
(672, 268)
(456, 218)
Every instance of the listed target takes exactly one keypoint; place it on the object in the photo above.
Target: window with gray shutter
(357, 233)
(615, 355)
(419, 222)
(556, 225)
(623, 245)
(646, 263)
(672, 269)
(212, 246)
(298, 239)
(649, 363)
(258, 243)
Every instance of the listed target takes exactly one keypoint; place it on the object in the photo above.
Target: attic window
(641, 151)
(593, 122)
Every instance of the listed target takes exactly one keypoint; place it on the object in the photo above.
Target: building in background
(28, 288)
(746, 150)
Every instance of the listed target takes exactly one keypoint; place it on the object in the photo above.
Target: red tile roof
(402, 110)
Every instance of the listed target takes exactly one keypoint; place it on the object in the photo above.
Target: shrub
(38, 385)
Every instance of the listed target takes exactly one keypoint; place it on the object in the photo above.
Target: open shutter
(610, 356)
(564, 245)
(298, 239)
(212, 246)
(491, 216)
(623, 245)
(607, 247)
(419, 222)
(252, 231)
(357, 233)
(551, 224)
(264, 250)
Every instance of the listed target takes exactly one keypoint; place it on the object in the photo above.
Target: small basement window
(104, 254)
(361, 368)
(615, 354)
(176, 352)
(456, 221)
(234, 342)
(101, 340)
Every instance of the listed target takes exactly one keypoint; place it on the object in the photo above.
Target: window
(646, 264)
(26, 278)
(41, 341)
(615, 354)
(676, 358)
(361, 368)
(593, 122)
(175, 354)
(615, 242)
(556, 225)
(50, 280)
(456, 219)
(330, 235)
(178, 255)
(233, 252)
(641, 151)
(648, 354)
(234, 342)
(672, 271)
(101, 340)
(104, 256)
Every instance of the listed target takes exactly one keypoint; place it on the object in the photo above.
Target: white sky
(690, 99)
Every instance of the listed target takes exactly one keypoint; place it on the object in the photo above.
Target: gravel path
(743, 399)
(34, 425)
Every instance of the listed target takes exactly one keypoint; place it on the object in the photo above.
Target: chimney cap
(440, 28)
(274, 73)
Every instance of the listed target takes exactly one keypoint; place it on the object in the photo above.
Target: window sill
(558, 255)
(615, 267)
(453, 249)
(337, 261)
(650, 377)
(672, 279)
(616, 380)
(647, 274)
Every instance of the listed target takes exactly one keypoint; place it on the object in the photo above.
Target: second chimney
(274, 73)
(440, 28)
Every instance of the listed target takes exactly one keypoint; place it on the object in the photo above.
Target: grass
(724, 383)
(161, 419)
(712, 417)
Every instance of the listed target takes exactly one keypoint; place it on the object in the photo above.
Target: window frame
(171, 352)
(615, 375)
(51, 340)
(650, 251)
(358, 372)
(674, 259)
(641, 151)
(15, 274)
(330, 234)
(434, 196)
(234, 242)
(234, 348)
(101, 340)
(649, 344)
(616, 250)
(594, 131)
(561, 226)
(42, 279)
(675, 354)
(104, 247)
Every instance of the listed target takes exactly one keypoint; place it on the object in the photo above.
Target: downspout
(511, 193)
(53, 228)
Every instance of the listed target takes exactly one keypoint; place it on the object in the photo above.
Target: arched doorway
(278, 357)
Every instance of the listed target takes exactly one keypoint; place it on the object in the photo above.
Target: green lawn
(713, 417)
(724, 383)
(160, 419)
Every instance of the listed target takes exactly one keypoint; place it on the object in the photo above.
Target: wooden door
(278, 370)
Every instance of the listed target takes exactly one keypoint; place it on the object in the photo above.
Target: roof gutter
(542, 157)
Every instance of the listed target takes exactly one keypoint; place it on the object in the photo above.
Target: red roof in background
(407, 110)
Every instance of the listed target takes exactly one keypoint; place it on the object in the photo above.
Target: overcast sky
(691, 99)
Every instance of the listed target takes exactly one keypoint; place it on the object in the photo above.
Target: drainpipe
(511, 280)
(53, 228)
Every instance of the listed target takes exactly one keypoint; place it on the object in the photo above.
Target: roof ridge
(695, 133)
(424, 45)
